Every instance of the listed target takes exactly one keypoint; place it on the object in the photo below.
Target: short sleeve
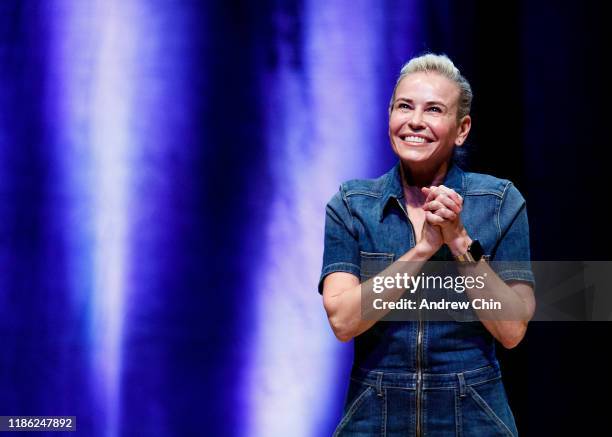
(511, 256)
(341, 246)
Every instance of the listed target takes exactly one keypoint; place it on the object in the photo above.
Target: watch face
(476, 250)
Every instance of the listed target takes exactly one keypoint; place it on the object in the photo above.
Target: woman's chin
(414, 156)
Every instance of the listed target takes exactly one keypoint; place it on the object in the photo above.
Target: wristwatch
(474, 253)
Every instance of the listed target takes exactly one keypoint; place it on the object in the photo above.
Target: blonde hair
(442, 65)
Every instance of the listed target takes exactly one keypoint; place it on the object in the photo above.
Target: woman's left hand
(443, 208)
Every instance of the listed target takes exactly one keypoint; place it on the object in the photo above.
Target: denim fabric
(470, 403)
(365, 221)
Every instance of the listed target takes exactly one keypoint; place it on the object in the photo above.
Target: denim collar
(392, 186)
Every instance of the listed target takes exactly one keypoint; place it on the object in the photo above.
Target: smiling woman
(423, 124)
(428, 117)
(427, 377)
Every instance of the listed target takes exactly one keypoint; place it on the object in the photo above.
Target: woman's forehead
(427, 86)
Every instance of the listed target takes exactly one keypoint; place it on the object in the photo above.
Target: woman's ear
(464, 129)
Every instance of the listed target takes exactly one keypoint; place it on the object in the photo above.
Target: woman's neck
(414, 179)
(423, 176)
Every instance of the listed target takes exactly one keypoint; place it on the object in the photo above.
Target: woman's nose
(416, 120)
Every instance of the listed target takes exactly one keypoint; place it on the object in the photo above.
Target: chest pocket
(373, 263)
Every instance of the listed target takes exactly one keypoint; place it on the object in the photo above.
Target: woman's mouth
(413, 139)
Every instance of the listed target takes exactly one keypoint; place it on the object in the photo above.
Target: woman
(423, 377)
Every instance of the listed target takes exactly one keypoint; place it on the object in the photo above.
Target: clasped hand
(443, 224)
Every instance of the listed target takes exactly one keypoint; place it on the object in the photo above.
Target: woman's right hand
(431, 237)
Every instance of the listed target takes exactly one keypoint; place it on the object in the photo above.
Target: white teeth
(414, 139)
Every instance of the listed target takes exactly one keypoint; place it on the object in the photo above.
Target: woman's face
(423, 125)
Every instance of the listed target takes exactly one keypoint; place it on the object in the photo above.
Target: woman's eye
(403, 106)
(435, 109)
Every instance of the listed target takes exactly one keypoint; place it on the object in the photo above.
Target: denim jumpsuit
(423, 377)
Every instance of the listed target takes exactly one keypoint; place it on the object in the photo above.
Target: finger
(442, 190)
(431, 193)
(433, 205)
(442, 201)
(433, 219)
(449, 203)
(446, 214)
(428, 193)
(452, 194)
